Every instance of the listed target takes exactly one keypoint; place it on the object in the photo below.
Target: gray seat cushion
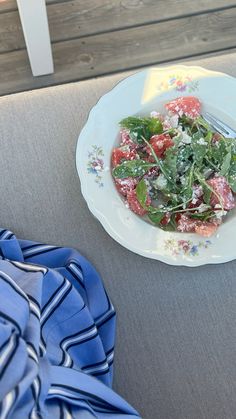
(176, 336)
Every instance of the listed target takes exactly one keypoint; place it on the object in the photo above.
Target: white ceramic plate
(139, 94)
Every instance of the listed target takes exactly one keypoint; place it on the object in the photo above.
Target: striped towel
(57, 329)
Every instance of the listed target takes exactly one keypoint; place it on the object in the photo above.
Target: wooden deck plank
(7, 5)
(78, 18)
(92, 56)
(10, 5)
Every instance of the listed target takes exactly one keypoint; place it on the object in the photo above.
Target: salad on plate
(174, 170)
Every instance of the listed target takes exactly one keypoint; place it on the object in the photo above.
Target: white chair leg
(33, 15)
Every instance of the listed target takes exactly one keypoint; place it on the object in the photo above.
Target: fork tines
(219, 126)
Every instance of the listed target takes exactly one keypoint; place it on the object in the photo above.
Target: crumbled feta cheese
(170, 121)
(186, 139)
(203, 208)
(182, 180)
(160, 145)
(202, 141)
(149, 188)
(160, 182)
(125, 148)
(155, 114)
(197, 192)
(219, 212)
(180, 129)
(174, 120)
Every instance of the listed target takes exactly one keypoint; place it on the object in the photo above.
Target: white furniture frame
(33, 15)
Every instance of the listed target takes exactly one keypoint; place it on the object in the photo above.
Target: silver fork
(219, 126)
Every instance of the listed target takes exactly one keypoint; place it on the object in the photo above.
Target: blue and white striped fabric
(57, 329)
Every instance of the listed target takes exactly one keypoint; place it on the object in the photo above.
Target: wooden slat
(77, 18)
(84, 17)
(10, 5)
(7, 5)
(131, 48)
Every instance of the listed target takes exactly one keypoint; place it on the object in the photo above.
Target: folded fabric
(57, 330)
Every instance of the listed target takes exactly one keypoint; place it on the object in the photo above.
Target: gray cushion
(176, 337)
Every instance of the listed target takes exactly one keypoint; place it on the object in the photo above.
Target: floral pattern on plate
(95, 164)
(179, 82)
(185, 247)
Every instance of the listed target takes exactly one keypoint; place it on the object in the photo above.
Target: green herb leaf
(187, 191)
(170, 163)
(153, 126)
(232, 174)
(232, 142)
(200, 121)
(142, 127)
(203, 216)
(208, 137)
(186, 121)
(218, 151)
(183, 158)
(132, 168)
(206, 195)
(156, 217)
(199, 149)
(141, 193)
(232, 182)
(226, 164)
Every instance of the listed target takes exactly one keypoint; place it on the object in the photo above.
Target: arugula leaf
(217, 152)
(156, 218)
(233, 165)
(232, 182)
(208, 137)
(142, 127)
(200, 121)
(226, 164)
(187, 191)
(155, 214)
(141, 193)
(203, 216)
(199, 150)
(153, 126)
(186, 121)
(132, 168)
(170, 162)
(232, 142)
(183, 158)
(232, 174)
(206, 194)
